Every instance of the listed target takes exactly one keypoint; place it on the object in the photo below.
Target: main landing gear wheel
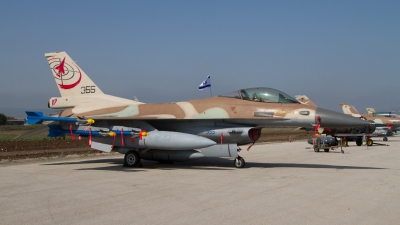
(385, 139)
(359, 141)
(370, 142)
(316, 149)
(132, 159)
(239, 162)
(326, 149)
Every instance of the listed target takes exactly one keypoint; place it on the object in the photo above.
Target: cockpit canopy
(261, 94)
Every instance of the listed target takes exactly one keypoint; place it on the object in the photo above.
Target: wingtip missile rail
(37, 118)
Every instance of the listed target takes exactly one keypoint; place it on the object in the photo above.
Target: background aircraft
(372, 112)
(176, 131)
(392, 122)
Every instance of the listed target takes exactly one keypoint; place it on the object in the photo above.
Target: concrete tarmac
(282, 183)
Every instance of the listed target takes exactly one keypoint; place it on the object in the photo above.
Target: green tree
(3, 119)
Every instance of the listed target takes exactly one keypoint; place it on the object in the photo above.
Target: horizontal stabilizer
(55, 131)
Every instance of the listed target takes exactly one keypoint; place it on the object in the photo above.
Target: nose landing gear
(239, 162)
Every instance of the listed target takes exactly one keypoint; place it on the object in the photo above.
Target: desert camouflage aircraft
(175, 131)
(371, 111)
(380, 119)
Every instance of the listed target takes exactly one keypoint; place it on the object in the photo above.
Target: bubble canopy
(261, 94)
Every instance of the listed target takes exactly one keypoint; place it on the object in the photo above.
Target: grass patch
(9, 132)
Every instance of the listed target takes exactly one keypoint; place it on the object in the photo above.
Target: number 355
(88, 89)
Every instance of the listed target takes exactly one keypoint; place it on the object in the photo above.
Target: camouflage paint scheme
(216, 125)
(391, 122)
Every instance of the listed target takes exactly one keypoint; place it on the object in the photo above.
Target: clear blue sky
(160, 51)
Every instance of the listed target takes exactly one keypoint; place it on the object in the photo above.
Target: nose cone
(338, 120)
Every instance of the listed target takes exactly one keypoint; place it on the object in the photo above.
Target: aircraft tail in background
(303, 99)
(371, 111)
(349, 110)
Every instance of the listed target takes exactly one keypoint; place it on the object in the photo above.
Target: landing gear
(239, 162)
(326, 149)
(385, 139)
(316, 148)
(132, 159)
(359, 141)
(370, 142)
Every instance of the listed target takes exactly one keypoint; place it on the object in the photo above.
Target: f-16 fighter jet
(389, 120)
(175, 131)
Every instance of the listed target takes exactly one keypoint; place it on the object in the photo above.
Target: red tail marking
(60, 68)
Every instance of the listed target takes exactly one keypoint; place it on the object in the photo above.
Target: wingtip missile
(37, 118)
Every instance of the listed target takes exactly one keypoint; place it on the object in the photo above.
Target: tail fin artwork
(349, 110)
(303, 99)
(70, 78)
(76, 88)
(371, 111)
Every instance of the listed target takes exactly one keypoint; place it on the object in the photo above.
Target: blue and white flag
(205, 84)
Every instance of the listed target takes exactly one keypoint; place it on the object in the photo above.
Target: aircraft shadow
(115, 164)
(309, 166)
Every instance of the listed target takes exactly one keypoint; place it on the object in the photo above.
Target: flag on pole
(205, 84)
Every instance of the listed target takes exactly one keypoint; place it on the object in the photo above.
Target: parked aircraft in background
(380, 119)
(354, 134)
(176, 131)
(372, 112)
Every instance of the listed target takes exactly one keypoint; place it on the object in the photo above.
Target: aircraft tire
(344, 142)
(239, 162)
(131, 159)
(326, 149)
(316, 149)
(385, 139)
(359, 142)
(370, 142)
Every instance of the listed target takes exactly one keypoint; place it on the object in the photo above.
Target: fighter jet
(371, 111)
(380, 119)
(175, 131)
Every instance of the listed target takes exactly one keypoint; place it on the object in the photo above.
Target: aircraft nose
(337, 120)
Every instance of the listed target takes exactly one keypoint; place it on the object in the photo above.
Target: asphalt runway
(283, 183)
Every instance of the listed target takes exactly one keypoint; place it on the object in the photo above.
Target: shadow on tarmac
(116, 164)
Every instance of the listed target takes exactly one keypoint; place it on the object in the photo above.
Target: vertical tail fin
(303, 99)
(371, 111)
(70, 78)
(349, 110)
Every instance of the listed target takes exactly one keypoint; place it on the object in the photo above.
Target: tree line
(4, 118)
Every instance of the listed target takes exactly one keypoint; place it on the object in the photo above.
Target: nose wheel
(239, 162)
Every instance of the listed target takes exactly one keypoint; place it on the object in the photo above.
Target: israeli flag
(205, 84)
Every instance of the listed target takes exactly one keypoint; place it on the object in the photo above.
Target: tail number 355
(88, 89)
